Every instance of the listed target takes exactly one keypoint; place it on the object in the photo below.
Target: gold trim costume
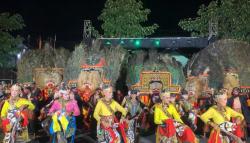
(220, 118)
(106, 126)
(170, 126)
(12, 115)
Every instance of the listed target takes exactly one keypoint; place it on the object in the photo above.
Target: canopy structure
(162, 42)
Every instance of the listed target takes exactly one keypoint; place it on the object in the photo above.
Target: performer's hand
(57, 113)
(123, 120)
(238, 121)
(22, 107)
(215, 126)
(115, 125)
(181, 102)
(42, 110)
(69, 113)
(136, 118)
(40, 118)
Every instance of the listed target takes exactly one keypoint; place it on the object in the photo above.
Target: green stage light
(108, 42)
(137, 43)
(122, 42)
(157, 43)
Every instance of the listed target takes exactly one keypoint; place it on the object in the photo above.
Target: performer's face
(222, 100)
(65, 96)
(185, 96)
(235, 92)
(172, 99)
(15, 91)
(108, 93)
(133, 96)
(165, 98)
(119, 92)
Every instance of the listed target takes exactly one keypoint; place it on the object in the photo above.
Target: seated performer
(63, 112)
(14, 117)
(106, 121)
(219, 116)
(170, 126)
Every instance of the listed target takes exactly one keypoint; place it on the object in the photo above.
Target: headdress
(133, 91)
(165, 93)
(218, 94)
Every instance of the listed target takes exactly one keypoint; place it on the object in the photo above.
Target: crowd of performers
(114, 118)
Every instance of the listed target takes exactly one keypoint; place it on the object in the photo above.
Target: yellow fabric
(213, 115)
(56, 125)
(160, 116)
(20, 102)
(64, 122)
(102, 110)
(5, 109)
(85, 112)
(25, 135)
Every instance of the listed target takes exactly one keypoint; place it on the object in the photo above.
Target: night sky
(65, 18)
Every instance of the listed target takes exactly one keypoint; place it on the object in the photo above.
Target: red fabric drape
(111, 132)
(169, 130)
(239, 132)
(188, 136)
(214, 137)
(5, 125)
(24, 115)
(121, 127)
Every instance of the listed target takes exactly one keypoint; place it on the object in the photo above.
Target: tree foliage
(125, 18)
(232, 17)
(8, 43)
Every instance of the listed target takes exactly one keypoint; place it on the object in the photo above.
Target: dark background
(65, 18)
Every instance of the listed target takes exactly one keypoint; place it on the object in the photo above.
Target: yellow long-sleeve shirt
(160, 116)
(20, 102)
(217, 118)
(102, 110)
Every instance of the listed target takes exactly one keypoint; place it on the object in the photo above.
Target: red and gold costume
(85, 93)
(169, 123)
(48, 91)
(104, 114)
(8, 120)
(218, 118)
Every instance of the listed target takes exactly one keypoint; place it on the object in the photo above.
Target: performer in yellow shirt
(219, 116)
(169, 123)
(106, 121)
(13, 106)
